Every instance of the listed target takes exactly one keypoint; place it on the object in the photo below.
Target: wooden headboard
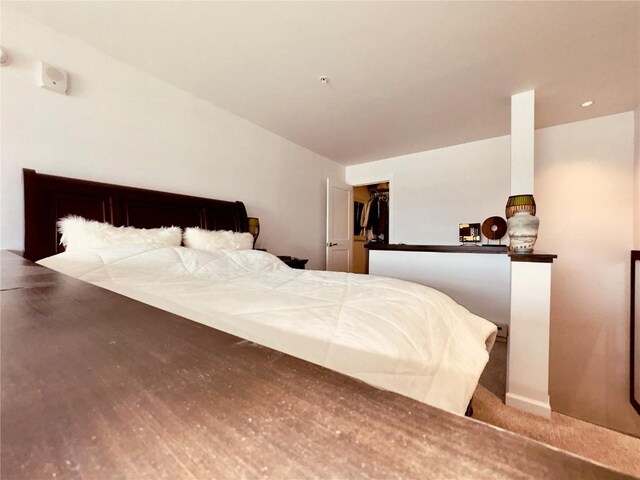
(49, 198)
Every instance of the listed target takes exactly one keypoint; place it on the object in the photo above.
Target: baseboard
(530, 405)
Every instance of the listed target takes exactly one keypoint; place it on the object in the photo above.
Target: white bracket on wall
(53, 78)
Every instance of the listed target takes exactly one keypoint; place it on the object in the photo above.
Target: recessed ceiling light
(588, 103)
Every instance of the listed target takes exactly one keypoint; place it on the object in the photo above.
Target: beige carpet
(613, 449)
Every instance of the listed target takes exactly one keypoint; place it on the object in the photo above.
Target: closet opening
(370, 220)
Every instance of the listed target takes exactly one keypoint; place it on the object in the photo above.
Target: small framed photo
(469, 232)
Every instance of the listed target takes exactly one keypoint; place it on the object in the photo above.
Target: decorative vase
(523, 232)
(517, 203)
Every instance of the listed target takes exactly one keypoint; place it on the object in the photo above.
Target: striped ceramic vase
(523, 232)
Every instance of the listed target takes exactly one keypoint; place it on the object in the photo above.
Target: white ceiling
(404, 77)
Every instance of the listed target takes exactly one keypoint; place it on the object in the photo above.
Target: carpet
(614, 449)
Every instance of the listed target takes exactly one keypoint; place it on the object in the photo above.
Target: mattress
(393, 334)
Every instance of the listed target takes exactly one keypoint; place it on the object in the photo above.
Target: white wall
(120, 125)
(432, 192)
(585, 197)
(592, 161)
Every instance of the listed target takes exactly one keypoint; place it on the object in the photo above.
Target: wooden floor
(95, 385)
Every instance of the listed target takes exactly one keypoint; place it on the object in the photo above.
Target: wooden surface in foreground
(96, 385)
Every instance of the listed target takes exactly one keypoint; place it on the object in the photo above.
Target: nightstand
(294, 262)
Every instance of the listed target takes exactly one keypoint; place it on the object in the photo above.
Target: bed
(395, 335)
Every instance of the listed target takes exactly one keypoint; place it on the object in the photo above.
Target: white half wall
(480, 282)
(120, 125)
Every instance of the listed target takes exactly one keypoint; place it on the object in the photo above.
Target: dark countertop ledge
(488, 249)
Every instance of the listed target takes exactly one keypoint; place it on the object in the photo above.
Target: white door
(339, 226)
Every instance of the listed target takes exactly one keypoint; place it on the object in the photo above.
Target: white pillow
(217, 240)
(79, 233)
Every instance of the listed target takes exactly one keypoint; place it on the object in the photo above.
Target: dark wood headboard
(49, 198)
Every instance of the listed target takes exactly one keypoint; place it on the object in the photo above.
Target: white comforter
(393, 334)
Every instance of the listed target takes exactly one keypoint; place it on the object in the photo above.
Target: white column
(522, 146)
(528, 348)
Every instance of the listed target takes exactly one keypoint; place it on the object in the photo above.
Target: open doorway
(371, 220)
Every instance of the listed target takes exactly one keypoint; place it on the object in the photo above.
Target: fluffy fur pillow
(78, 233)
(217, 240)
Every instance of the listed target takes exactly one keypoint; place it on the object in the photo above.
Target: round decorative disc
(494, 228)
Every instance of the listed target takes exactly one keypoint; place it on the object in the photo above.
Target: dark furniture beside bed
(294, 262)
(96, 385)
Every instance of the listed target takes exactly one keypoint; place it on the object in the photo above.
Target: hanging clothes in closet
(358, 208)
(374, 220)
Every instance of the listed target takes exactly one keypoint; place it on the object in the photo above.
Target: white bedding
(393, 334)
